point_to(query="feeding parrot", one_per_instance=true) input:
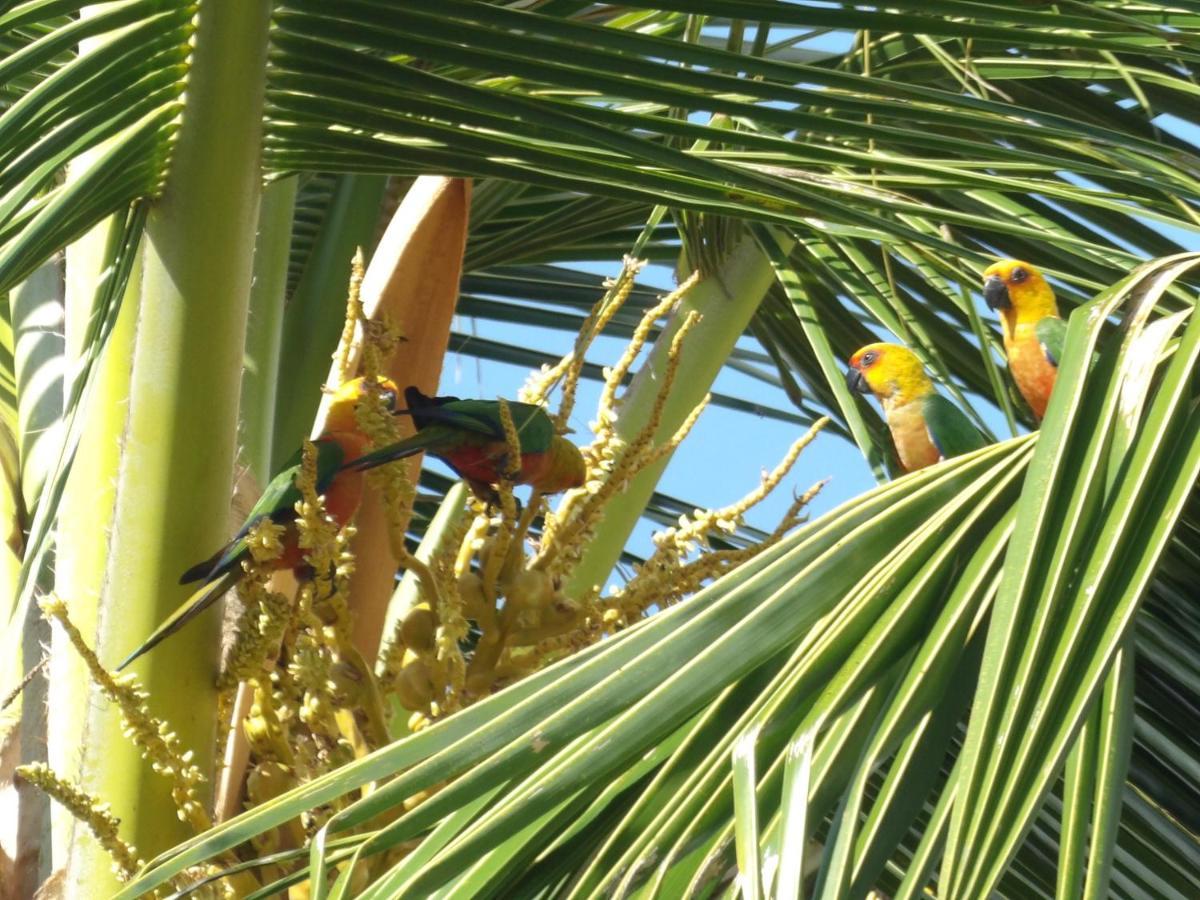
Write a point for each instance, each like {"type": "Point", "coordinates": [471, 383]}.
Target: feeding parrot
{"type": "Point", "coordinates": [1033, 332]}
{"type": "Point", "coordinates": [469, 437]}
{"type": "Point", "coordinates": [925, 426]}
{"type": "Point", "coordinates": [340, 443]}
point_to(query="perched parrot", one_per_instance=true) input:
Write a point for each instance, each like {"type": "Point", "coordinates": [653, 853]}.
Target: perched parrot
{"type": "Point", "coordinates": [1033, 332]}
{"type": "Point", "coordinates": [469, 437]}
{"type": "Point", "coordinates": [926, 427]}
{"type": "Point", "coordinates": [340, 443]}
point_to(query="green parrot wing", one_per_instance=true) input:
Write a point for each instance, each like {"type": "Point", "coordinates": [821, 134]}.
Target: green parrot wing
{"type": "Point", "coordinates": [1051, 334]}
{"type": "Point", "coordinates": [277, 503]}
{"type": "Point", "coordinates": [534, 427]}
{"type": "Point", "coordinates": [949, 428]}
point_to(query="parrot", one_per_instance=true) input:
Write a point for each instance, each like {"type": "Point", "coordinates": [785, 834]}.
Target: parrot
{"type": "Point", "coordinates": [926, 427]}
{"type": "Point", "coordinates": [469, 437]}
{"type": "Point", "coordinates": [341, 442]}
{"type": "Point", "coordinates": [1034, 333]}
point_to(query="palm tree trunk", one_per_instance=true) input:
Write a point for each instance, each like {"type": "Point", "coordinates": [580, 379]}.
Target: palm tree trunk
{"type": "Point", "coordinates": [177, 429]}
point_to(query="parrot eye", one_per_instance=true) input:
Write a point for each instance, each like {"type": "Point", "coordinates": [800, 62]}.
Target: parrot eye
{"type": "Point", "coordinates": [1018, 275]}
{"type": "Point", "coordinates": [389, 399]}
{"type": "Point", "coordinates": [869, 358]}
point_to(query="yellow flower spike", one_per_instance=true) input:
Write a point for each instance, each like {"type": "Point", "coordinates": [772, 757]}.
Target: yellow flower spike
{"type": "Point", "coordinates": [482, 669]}
{"type": "Point", "coordinates": [354, 317]}
{"type": "Point", "coordinates": [377, 421]}
{"type": "Point", "coordinates": [452, 630]}
{"type": "Point", "coordinates": [610, 462]}
{"type": "Point", "coordinates": [317, 531]}
{"type": "Point", "coordinates": [311, 684]}
{"type": "Point", "coordinates": [641, 334]}
{"type": "Point", "coordinates": [684, 429]}
{"type": "Point", "coordinates": [539, 384]}
{"type": "Point", "coordinates": [581, 510]}
{"type": "Point", "coordinates": [380, 340]}
{"type": "Point", "coordinates": [265, 613]}
{"type": "Point", "coordinates": [260, 627]}
{"type": "Point", "coordinates": [265, 542]}
{"type": "Point", "coordinates": [265, 733]}
{"type": "Point", "coordinates": [570, 368]}
{"type": "Point", "coordinates": [664, 578]}
{"type": "Point", "coordinates": [500, 541]}
{"type": "Point", "coordinates": [471, 543]}
{"type": "Point", "coordinates": [512, 450]}
{"type": "Point", "coordinates": [159, 745]}
{"type": "Point", "coordinates": [374, 418]}
{"type": "Point", "coordinates": [89, 810]}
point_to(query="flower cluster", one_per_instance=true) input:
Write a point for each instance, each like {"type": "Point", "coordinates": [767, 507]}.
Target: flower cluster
{"type": "Point", "coordinates": [493, 594]}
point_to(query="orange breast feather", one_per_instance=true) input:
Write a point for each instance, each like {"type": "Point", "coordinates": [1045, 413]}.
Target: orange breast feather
{"type": "Point", "coordinates": [1031, 370]}
{"type": "Point", "coordinates": [911, 436]}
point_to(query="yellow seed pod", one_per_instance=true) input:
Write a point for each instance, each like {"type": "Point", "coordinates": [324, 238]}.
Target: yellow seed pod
{"type": "Point", "coordinates": [267, 780]}
{"type": "Point", "coordinates": [525, 618]}
{"type": "Point", "coordinates": [470, 589]}
{"type": "Point", "coordinates": [513, 562]}
{"type": "Point", "coordinates": [480, 682]}
{"type": "Point", "coordinates": [561, 609]}
{"type": "Point", "coordinates": [530, 590]}
{"type": "Point", "coordinates": [414, 684]}
{"type": "Point", "coordinates": [419, 628]}
{"type": "Point", "coordinates": [346, 683]}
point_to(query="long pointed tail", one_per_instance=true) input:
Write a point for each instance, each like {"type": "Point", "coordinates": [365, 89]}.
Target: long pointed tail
{"type": "Point", "coordinates": [430, 438]}
{"type": "Point", "coordinates": [199, 601]}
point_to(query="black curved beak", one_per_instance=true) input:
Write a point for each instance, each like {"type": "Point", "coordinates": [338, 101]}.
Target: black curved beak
{"type": "Point", "coordinates": [856, 382]}
{"type": "Point", "coordinates": [995, 293]}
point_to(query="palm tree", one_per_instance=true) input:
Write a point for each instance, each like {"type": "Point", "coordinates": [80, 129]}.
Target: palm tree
{"type": "Point", "coordinates": [974, 679]}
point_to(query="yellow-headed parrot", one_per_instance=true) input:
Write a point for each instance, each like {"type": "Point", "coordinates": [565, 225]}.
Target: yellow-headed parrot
{"type": "Point", "coordinates": [1033, 332]}
{"type": "Point", "coordinates": [342, 487]}
{"type": "Point", "coordinates": [468, 435]}
{"type": "Point", "coordinates": [925, 426]}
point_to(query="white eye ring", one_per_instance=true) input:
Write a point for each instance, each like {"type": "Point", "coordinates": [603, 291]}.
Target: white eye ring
{"type": "Point", "coordinates": [1018, 275]}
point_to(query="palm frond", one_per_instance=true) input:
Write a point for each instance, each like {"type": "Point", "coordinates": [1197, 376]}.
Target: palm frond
{"type": "Point", "coordinates": [115, 105]}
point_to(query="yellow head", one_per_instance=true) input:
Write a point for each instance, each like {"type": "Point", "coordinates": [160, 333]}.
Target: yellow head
{"type": "Point", "coordinates": [566, 467]}
{"type": "Point", "coordinates": [342, 415]}
{"type": "Point", "coordinates": [889, 371]}
{"type": "Point", "coordinates": [1018, 292]}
